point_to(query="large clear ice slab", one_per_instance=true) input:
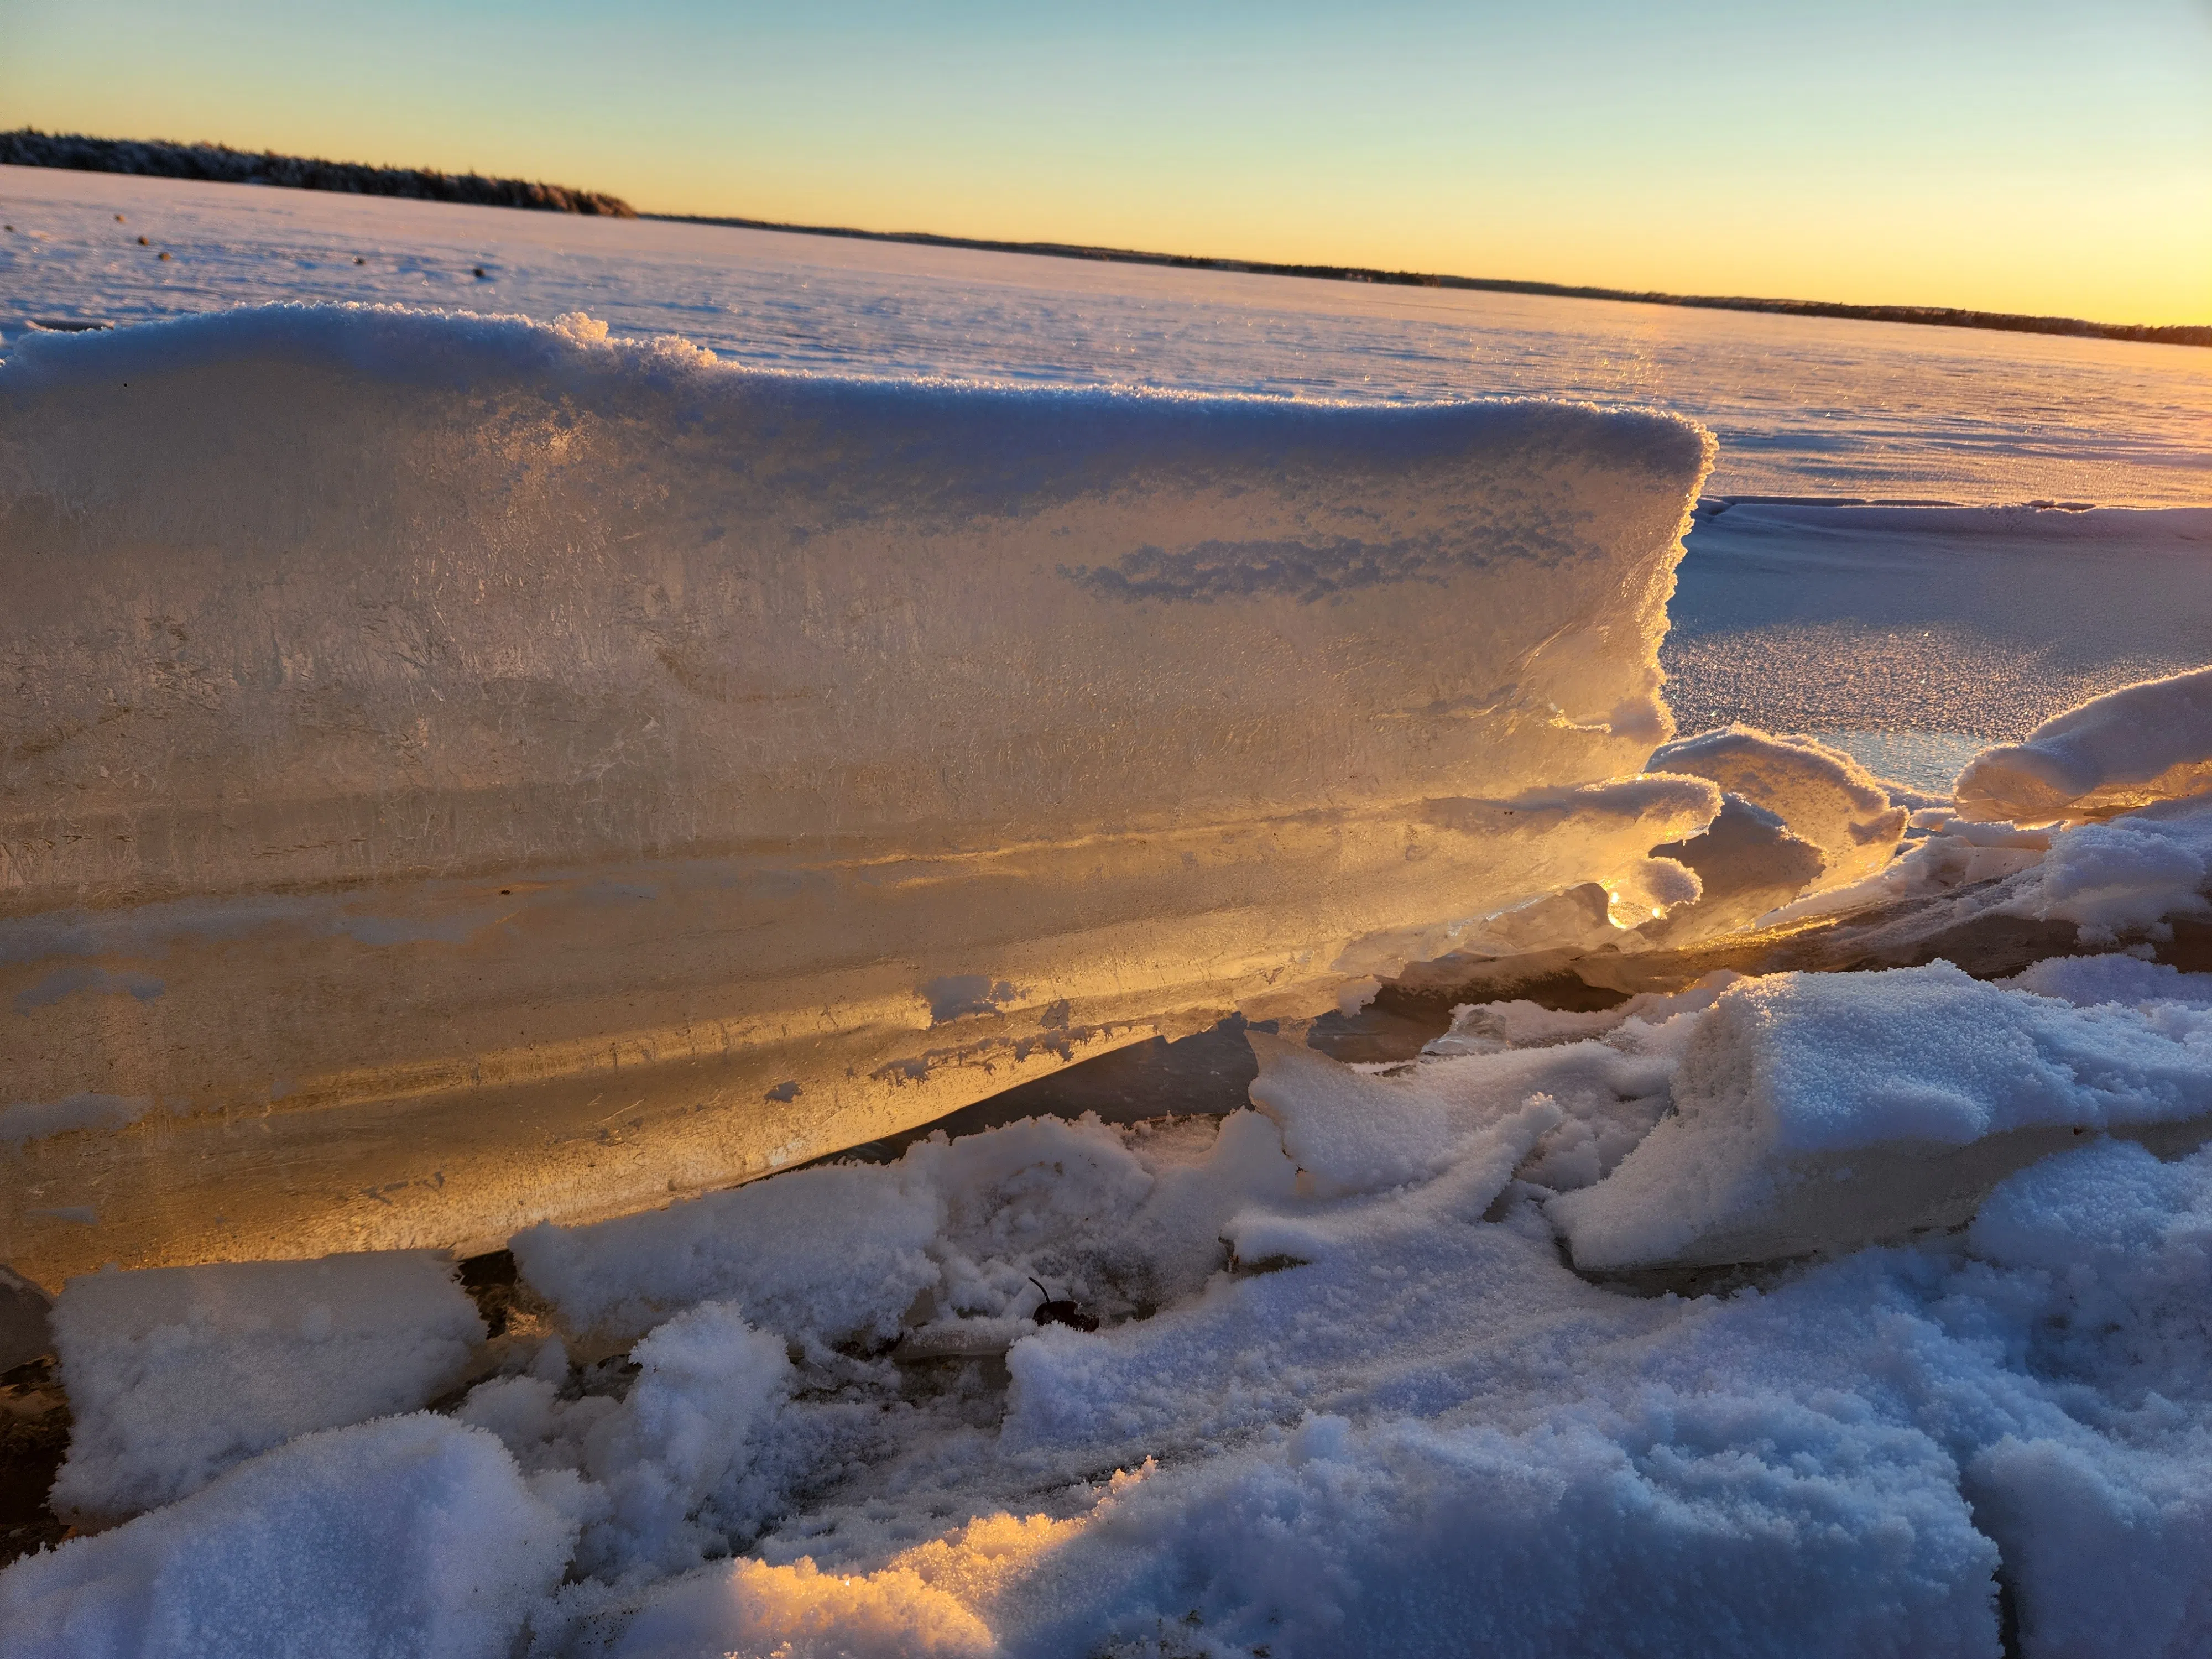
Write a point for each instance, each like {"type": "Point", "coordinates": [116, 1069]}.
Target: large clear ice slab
{"type": "Point", "coordinates": [462, 772]}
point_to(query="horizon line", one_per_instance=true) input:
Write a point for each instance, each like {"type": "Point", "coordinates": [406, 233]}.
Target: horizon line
{"type": "Point", "coordinates": [2181, 334]}
{"type": "Point", "coordinates": [27, 146]}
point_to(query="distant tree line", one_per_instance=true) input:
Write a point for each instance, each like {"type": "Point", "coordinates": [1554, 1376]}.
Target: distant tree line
{"type": "Point", "coordinates": [2189, 334]}
{"type": "Point", "coordinates": [27, 147]}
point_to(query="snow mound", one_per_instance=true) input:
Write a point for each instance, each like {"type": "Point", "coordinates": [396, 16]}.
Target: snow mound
{"type": "Point", "coordinates": [2131, 874]}
{"type": "Point", "coordinates": [1815, 1112]}
{"type": "Point", "coordinates": [413, 1538]}
{"type": "Point", "coordinates": [1370, 1410]}
{"type": "Point", "coordinates": [175, 1374]}
{"type": "Point", "coordinates": [2143, 743]}
{"type": "Point", "coordinates": [954, 1231]}
{"type": "Point", "coordinates": [454, 724]}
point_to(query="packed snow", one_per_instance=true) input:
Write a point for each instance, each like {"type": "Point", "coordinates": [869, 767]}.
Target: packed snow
{"type": "Point", "coordinates": [409, 1535]}
{"type": "Point", "coordinates": [178, 1373]}
{"type": "Point", "coordinates": [1764, 1310]}
{"type": "Point", "coordinates": [1814, 1111]}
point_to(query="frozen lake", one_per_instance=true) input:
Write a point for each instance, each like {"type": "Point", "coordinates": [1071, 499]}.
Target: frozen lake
{"type": "Point", "coordinates": [479, 785]}
{"type": "Point", "coordinates": [1802, 406]}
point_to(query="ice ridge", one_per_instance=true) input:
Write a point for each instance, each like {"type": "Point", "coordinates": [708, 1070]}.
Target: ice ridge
{"type": "Point", "coordinates": [580, 758]}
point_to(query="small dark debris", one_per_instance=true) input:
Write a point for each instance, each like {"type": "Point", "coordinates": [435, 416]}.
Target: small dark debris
{"type": "Point", "coordinates": [480, 272]}
{"type": "Point", "coordinates": [1240, 1268]}
{"type": "Point", "coordinates": [32, 1442]}
{"type": "Point", "coordinates": [496, 1288]}
{"type": "Point", "coordinates": [1722, 1279]}
{"type": "Point", "coordinates": [359, 261]}
{"type": "Point", "coordinates": [119, 218]}
{"type": "Point", "coordinates": [1061, 1312]}
{"type": "Point", "coordinates": [142, 241]}
{"type": "Point", "coordinates": [608, 1378]}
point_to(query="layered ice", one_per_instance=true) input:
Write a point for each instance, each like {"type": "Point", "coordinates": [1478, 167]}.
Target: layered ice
{"type": "Point", "coordinates": [530, 773]}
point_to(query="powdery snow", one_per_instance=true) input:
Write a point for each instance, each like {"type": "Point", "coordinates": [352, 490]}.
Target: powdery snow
{"type": "Point", "coordinates": [412, 1536]}
{"type": "Point", "coordinates": [175, 1374]}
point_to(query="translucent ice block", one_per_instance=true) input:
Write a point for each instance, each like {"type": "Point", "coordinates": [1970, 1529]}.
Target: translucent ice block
{"type": "Point", "coordinates": [462, 772]}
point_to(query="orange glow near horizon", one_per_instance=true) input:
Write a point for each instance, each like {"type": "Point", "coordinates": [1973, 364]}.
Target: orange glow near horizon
{"type": "Point", "coordinates": [2019, 157]}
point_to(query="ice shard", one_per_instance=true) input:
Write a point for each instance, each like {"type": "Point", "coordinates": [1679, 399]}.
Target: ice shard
{"type": "Point", "coordinates": [462, 772]}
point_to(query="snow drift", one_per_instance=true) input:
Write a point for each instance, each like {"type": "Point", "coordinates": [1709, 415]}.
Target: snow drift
{"type": "Point", "coordinates": [523, 774]}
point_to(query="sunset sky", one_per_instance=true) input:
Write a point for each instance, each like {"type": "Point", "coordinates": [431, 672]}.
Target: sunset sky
{"type": "Point", "coordinates": [2012, 155]}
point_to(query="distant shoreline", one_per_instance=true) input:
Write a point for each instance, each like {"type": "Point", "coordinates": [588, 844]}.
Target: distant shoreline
{"type": "Point", "coordinates": [2185, 334]}
{"type": "Point", "coordinates": [220, 164]}
{"type": "Point", "coordinates": [159, 158]}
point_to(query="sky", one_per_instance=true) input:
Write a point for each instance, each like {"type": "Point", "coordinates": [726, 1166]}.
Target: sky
{"type": "Point", "coordinates": [2005, 155]}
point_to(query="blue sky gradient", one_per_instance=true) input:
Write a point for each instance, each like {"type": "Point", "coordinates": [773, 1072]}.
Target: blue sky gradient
{"type": "Point", "coordinates": [2026, 155]}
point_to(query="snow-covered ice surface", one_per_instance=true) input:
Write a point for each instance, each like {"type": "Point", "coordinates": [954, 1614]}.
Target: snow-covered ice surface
{"type": "Point", "coordinates": [1914, 636]}
{"type": "Point", "coordinates": [1817, 1314]}
{"type": "Point", "coordinates": [1803, 407]}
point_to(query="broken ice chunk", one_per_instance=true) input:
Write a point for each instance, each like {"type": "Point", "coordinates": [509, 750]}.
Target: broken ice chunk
{"type": "Point", "coordinates": [1822, 794]}
{"type": "Point", "coordinates": [2126, 874]}
{"type": "Point", "coordinates": [833, 1251]}
{"type": "Point", "coordinates": [415, 1536]}
{"type": "Point", "coordinates": [2148, 742]}
{"type": "Point", "coordinates": [1748, 862]}
{"type": "Point", "coordinates": [1816, 1112]}
{"type": "Point", "coordinates": [177, 1373]}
